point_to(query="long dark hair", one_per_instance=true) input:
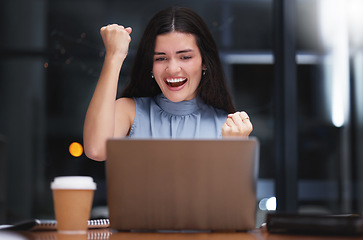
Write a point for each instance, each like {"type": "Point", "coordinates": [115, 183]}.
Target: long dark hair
{"type": "Point", "coordinates": [212, 88]}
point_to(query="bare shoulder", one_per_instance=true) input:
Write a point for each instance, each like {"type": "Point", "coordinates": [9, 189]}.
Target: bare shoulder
{"type": "Point", "coordinates": [126, 106]}
{"type": "Point", "coordinates": [124, 115]}
{"type": "Point", "coordinates": [126, 102]}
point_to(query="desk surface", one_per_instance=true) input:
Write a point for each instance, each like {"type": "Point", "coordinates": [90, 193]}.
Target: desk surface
{"type": "Point", "coordinates": [107, 234]}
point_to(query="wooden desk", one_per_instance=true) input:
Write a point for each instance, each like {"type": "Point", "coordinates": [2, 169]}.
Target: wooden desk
{"type": "Point", "coordinates": [107, 234]}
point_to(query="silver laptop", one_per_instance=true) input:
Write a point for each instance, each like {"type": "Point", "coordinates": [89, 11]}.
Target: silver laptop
{"type": "Point", "coordinates": [182, 184]}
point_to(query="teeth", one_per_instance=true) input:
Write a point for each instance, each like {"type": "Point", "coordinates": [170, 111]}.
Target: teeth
{"type": "Point", "coordinates": [175, 80]}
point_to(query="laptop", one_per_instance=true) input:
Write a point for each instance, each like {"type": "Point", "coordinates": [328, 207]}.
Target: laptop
{"type": "Point", "coordinates": [189, 184]}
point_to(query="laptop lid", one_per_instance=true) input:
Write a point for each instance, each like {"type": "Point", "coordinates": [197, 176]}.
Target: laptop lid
{"type": "Point", "coordinates": [182, 184]}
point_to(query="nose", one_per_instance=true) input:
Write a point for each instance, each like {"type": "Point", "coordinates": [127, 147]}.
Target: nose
{"type": "Point", "coordinates": [173, 67]}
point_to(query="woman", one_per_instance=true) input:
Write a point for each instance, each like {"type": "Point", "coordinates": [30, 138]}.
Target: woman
{"type": "Point", "coordinates": [177, 87]}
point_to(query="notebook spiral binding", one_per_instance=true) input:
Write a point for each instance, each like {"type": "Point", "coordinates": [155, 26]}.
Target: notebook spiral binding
{"type": "Point", "coordinates": [99, 223]}
{"type": "Point", "coordinates": [52, 224]}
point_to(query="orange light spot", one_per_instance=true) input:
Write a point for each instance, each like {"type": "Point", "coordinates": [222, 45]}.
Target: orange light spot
{"type": "Point", "coordinates": [75, 149]}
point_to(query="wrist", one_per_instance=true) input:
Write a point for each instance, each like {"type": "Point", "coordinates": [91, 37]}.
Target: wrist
{"type": "Point", "coordinates": [115, 57]}
{"type": "Point", "coordinates": [115, 60]}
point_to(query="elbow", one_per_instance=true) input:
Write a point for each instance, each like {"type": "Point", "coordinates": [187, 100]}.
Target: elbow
{"type": "Point", "coordinates": [95, 154]}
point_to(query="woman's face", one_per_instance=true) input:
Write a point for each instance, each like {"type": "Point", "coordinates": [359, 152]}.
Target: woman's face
{"type": "Point", "coordinates": [177, 65]}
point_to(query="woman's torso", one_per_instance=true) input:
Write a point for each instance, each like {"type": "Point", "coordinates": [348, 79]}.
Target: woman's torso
{"type": "Point", "coordinates": [157, 117]}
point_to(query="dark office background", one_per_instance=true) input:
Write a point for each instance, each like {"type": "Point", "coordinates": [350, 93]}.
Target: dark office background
{"type": "Point", "coordinates": [52, 54]}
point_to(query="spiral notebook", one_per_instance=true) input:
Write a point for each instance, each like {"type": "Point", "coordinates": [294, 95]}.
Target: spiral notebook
{"type": "Point", "coordinates": [37, 224]}
{"type": "Point", "coordinates": [182, 184]}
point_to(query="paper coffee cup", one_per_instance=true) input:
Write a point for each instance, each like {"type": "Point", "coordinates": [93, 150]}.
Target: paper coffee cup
{"type": "Point", "coordinates": [73, 197]}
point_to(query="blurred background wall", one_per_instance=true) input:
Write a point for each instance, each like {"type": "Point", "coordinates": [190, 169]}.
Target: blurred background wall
{"type": "Point", "coordinates": [52, 54]}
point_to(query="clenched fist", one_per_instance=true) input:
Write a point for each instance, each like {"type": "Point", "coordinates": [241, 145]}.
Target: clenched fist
{"type": "Point", "coordinates": [237, 125]}
{"type": "Point", "coordinates": [116, 39]}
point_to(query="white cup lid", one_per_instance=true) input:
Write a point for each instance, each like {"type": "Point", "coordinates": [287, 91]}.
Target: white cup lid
{"type": "Point", "coordinates": [73, 182]}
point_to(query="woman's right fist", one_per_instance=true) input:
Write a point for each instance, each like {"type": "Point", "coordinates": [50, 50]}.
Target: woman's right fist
{"type": "Point", "coordinates": [116, 39]}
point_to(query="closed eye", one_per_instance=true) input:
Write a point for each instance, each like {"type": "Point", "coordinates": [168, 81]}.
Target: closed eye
{"type": "Point", "coordinates": [160, 59]}
{"type": "Point", "coordinates": [159, 56]}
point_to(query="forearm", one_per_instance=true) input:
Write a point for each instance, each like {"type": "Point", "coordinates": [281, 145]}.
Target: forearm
{"type": "Point", "coordinates": [100, 117]}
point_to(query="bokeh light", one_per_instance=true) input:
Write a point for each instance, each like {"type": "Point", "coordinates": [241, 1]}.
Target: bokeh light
{"type": "Point", "coordinates": [75, 149]}
{"type": "Point", "coordinates": [268, 204]}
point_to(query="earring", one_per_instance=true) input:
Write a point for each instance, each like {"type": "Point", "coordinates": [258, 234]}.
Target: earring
{"type": "Point", "coordinates": [204, 70]}
{"type": "Point", "coordinates": [152, 74]}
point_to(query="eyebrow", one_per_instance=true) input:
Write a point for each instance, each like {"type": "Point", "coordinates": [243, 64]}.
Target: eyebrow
{"type": "Point", "coordinates": [178, 52]}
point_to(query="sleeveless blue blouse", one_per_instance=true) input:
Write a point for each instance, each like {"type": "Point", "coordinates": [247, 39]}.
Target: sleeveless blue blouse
{"type": "Point", "coordinates": [158, 117]}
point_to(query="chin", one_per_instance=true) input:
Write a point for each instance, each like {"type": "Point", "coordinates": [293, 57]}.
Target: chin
{"type": "Point", "coordinates": [176, 97]}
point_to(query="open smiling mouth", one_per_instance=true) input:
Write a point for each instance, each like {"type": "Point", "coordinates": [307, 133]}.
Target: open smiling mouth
{"type": "Point", "coordinates": [176, 82]}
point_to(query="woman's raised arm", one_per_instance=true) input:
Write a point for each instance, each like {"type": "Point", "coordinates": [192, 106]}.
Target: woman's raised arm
{"type": "Point", "coordinates": [105, 116]}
